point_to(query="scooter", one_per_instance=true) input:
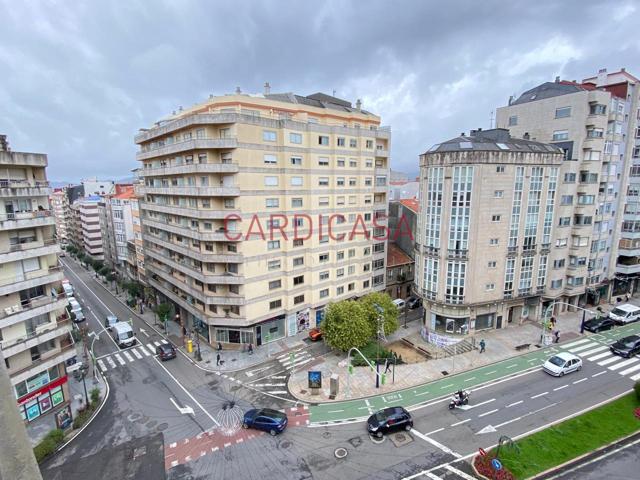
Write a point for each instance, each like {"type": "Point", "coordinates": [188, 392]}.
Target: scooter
{"type": "Point", "coordinates": [457, 401]}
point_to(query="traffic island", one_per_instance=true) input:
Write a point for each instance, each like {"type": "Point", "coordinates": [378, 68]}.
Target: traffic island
{"type": "Point", "coordinates": [555, 446]}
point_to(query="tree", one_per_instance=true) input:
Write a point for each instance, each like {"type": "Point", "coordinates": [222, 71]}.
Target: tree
{"type": "Point", "coordinates": [345, 325]}
{"type": "Point", "coordinates": [163, 311]}
{"type": "Point", "coordinates": [104, 271]}
{"type": "Point", "coordinates": [134, 289]}
{"type": "Point", "coordinates": [97, 265]}
{"type": "Point", "coordinates": [389, 311]}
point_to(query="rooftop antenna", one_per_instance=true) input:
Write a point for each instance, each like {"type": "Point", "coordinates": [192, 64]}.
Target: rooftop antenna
{"type": "Point", "coordinates": [491, 119]}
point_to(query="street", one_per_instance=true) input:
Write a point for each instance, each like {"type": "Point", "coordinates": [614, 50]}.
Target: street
{"type": "Point", "coordinates": [200, 412]}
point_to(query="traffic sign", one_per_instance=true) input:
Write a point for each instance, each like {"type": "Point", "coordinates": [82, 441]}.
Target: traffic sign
{"type": "Point", "coordinates": [496, 464]}
{"type": "Point", "coordinates": [482, 452]}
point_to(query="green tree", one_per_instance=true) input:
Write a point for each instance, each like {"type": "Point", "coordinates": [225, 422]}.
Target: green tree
{"type": "Point", "coordinates": [104, 271]}
{"type": "Point", "coordinates": [97, 265]}
{"type": "Point", "coordinates": [134, 289]}
{"type": "Point", "coordinates": [345, 325]}
{"type": "Point", "coordinates": [389, 311]}
{"type": "Point", "coordinates": [163, 311]}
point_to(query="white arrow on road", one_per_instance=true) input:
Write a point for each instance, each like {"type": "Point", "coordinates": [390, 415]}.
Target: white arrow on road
{"type": "Point", "coordinates": [142, 330]}
{"type": "Point", "coordinates": [487, 429]}
{"type": "Point", "coordinates": [182, 410]}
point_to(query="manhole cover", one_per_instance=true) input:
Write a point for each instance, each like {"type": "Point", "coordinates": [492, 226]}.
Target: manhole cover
{"type": "Point", "coordinates": [340, 452]}
{"type": "Point", "coordinates": [355, 442]}
{"type": "Point", "coordinates": [162, 427]}
{"type": "Point", "coordinates": [134, 417]}
{"type": "Point", "coordinates": [326, 434]}
{"type": "Point", "coordinates": [400, 439]}
{"type": "Point", "coordinates": [286, 444]}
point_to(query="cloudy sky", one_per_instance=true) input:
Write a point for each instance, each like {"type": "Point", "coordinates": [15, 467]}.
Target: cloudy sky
{"type": "Point", "coordinates": [77, 79]}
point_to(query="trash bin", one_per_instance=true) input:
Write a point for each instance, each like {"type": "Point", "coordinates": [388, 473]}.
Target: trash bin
{"type": "Point", "coordinates": [189, 346]}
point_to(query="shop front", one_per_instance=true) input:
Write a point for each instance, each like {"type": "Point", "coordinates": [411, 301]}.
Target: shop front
{"type": "Point", "coordinates": [270, 330]}
{"type": "Point", "coordinates": [40, 394]}
{"type": "Point", "coordinates": [448, 324]}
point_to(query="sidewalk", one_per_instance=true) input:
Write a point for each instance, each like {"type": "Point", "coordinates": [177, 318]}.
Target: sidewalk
{"type": "Point", "coordinates": [500, 345]}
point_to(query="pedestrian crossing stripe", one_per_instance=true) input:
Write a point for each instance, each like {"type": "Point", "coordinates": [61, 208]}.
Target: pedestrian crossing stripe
{"type": "Point", "coordinates": [623, 364]}
{"type": "Point", "coordinates": [128, 355]}
{"type": "Point", "coordinates": [157, 344]}
{"type": "Point", "coordinates": [145, 351]}
{"type": "Point", "coordinates": [573, 344]}
{"type": "Point", "coordinates": [629, 370]}
{"type": "Point", "coordinates": [120, 360]}
{"type": "Point", "coordinates": [608, 361]}
{"type": "Point", "coordinates": [136, 353]}
{"type": "Point", "coordinates": [599, 356]}
{"type": "Point", "coordinates": [635, 377]}
{"type": "Point", "coordinates": [112, 364]}
{"type": "Point", "coordinates": [583, 347]}
{"type": "Point", "coordinates": [102, 366]}
{"type": "Point", "coordinates": [150, 347]}
{"type": "Point", "coordinates": [591, 352]}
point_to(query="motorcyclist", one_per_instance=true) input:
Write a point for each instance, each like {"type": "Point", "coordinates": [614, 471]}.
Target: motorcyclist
{"type": "Point", "coordinates": [460, 396]}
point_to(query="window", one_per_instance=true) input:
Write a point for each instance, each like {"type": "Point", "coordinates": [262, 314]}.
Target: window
{"type": "Point", "coordinates": [592, 155]}
{"type": "Point", "coordinates": [298, 242]}
{"type": "Point", "coordinates": [493, 241]}
{"type": "Point", "coordinates": [351, 287]}
{"type": "Point", "coordinates": [323, 140]}
{"type": "Point", "coordinates": [351, 270]}
{"type": "Point", "coordinates": [569, 178]}
{"type": "Point", "coordinates": [340, 255]}
{"type": "Point", "coordinates": [323, 161]}
{"type": "Point", "coordinates": [323, 201]}
{"type": "Point", "coordinates": [566, 200]}
{"type": "Point", "coordinates": [352, 182]}
{"type": "Point", "coordinates": [272, 203]}
{"type": "Point", "coordinates": [555, 284]}
{"type": "Point", "coordinates": [495, 218]}
{"type": "Point", "coordinates": [298, 261]}
{"type": "Point", "coordinates": [595, 133]}
{"type": "Point", "coordinates": [340, 272]}
{"type": "Point", "coordinates": [577, 241]}
{"type": "Point", "coordinates": [369, 144]}
{"type": "Point", "coordinates": [323, 257]}
{"type": "Point", "coordinates": [491, 264]}
{"type": "Point", "coordinates": [270, 181]}
{"type": "Point", "coordinates": [563, 112]}
{"type": "Point", "coordinates": [341, 141]}
{"type": "Point", "coordinates": [597, 109]}
{"type": "Point", "coordinates": [499, 168]}
{"type": "Point", "coordinates": [275, 284]}
{"type": "Point", "coordinates": [352, 252]}
{"type": "Point", "coordinates": [340, 201]}
{"type": "Point", "coordinates": [273, 244]}
{"type": "Point", "coordinates": [295, 138]}
{"type": "Point", "coordinates": [270, 159]}
{"type": "Point", "coordinates": [368, 181]}
{"type": "Point", "coordinates": [339, 290]}
{"type": "Point", "coordinates": [324, 293]}
{"type": "Point", "coordinates": [353, 143]}
{"type": "Point", "coordinates": [324, 239]}
{"type": "Point", "coordinates": [324, 275]}
{"type": "Point", "coordinates": [564, 221]}
{"type": "Point", "coordinates": [298, 280]}
{"type": "Point", "coordinates": [490, 287]}
{"type": "Point", "coordinates": [561, 135]}
{"type": "Point", "coordinates": [298, 299]}
{"type": "Point", "coordinates": [561, 242]}
{"type": "Point", "coordinates": [340, 162]}
{"type": "Point", "coordinates": [296, 181]}
{"type": "Point", "coordinates": [558, 263]}
{"type": "Point", "coordinates": [323, 181]}
{"type": "Point", "coordinates": [229, 203]}
{"type": "Point", "coordinates": [340, 181]}
{"type": "Point", "coordinates": [353, 163]}
{"type": "Point", "coordinates": [296, 161]}
{"type": "Point", "coordinates": [498, 193]}
{"type": "Point", "coordinates": [586, 199]}
{"type": "Point", "coordinates": [296, 202]}
{"type": "Point", "coordinates": [275, 304]}
{"type": "Point", "coordinates": [513, 120]}
{"type": "Point", "coordinates": [268, 136]}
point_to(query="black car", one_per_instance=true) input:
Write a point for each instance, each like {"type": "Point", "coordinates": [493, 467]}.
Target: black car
{"type": "Point", "coordinates": [265, 419]}
{"type": "Point", "coordinates": [389, 420]}
{"type": "Point", "coordinates": [414, 302]}
{"type": "Point", "coordinates": [601, 324]}
{"type": "Point", "coordinates": [166, 351]}
{"type": "Point", "coordinates": [627, 346]}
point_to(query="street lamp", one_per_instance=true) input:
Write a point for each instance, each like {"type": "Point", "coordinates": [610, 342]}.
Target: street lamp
{"type": "Point", "coordinates": [545, 340]}
{"type": "Point", "coordinates": [83, 371]}
{"type": "Point", "coordinates": [93, 355]}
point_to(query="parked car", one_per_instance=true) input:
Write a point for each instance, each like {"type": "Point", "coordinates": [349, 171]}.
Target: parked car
{"type": "Point", "coordinates": [265, 419]}
{"type": "Point", "coordinates": [315, 334]}
{"type": "Point", "coordinates": [76, 309]}
{"type": "Point", "coordinates": [562, 363]}
{"type": "Point", "coordinates": [110, 321]}
{"type": "Point", "coordinates": [166, 351]}
{"type": "Point", "coordinates": [389, 420]}
{"type": "Point", "coordinates": [398, 302]}
{"type": "Point", "coordinates": [627, 346]}
{"type": "Point", "coordinates": [625, 313]}
{"type": "Point", "coordinates": [601, 324]}
{"type": "Point", "coordinates": [68, 289]}
{"type": "Point", "coordinates": [414, 302]}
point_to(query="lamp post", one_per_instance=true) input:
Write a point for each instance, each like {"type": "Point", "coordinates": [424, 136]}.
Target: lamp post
{"type": "Point", "coordinates": [546, 339]}
{"type": "Point", "coordinates": [83, 372]}
{"type": "Point", "coordinates": [93, 355]}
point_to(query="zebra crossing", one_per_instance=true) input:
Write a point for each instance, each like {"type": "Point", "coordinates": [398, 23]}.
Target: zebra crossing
{"type": "Point", "coordinates": [272, 378]}
{"type": "Point", "coordinates": [124, 357]}
{"type": "Point", "coordinates": [600, 354]}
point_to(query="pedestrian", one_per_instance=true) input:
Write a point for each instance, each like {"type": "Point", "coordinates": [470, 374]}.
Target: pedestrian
{"type": "Point", "coordinates": [219, 347]}
{"type": "Point", "coordinates": [553, 322]}
{"type": "Point", "coordinates": [482, 345]}
{"type": "Point", "coordinates": [387, 366]}
{"type": "Point", "coordinates": [557, 335]}
{"type": "Point", "coordinates": [217, 359]}
{"type": "Point", "coordinates": [627, 297]}
{"type": "Point", "coordinates": [184, 331]}
{"type": "Point", "coordinates": [250, 349]}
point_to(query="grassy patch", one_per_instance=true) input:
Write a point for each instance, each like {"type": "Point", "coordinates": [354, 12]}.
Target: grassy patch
{"type": "Point", "coordinates": [572, 438]}
{"type": "Point", "coordinates": [48, 444]}
{"type": "Point", "coordinates": [370, 350]}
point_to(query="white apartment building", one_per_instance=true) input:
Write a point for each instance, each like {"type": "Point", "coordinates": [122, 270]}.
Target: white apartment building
{"type": "Point", "coordinates": [61, 213]}
{"type": "Point", "coordinates": [91, 235]}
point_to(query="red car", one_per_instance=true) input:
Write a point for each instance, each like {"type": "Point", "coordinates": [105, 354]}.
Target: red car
{"type": "Point", "coordinates": [315, 334]}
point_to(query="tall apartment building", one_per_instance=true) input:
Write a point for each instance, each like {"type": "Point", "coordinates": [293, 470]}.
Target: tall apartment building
{"type": "Point", "coordinates": [214, 175]}
{"type": "Point", "coordinates": [74, 229]}
{"type": "Point", "coordinates": [95, 187]}
{"type": "Point", "coordinates": [137, 270]}
{"type": "Point", "coordinates": [593, 122]}
{"type": "Point", "coordinates": [34, 327]}
{"type": "Point", "coordinates": [486, 248]}
{"type": "Point", "coordinates": [61, 213]}
{"type": "Point", "coordinates": [116, 226]}
{"type": "Point", "coordinates": [89, 218]}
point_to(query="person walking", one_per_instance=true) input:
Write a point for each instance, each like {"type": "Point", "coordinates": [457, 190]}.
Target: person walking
{"type": "Point", "coordinates": [218, 359]}
{"type": "Point", "coordinates": [557, 336]}
{"type": "Point", "coordinates": [482, 345]}
{"type": "Point", "coordinates": [250, 349]}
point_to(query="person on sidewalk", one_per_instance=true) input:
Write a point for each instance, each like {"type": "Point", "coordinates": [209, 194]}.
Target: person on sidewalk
{"type": "Point", "coordinates": [219, 346]}
{"type": "Point", "coordinates": [557, 336]}
{"type": "Point", "coordinates": [250, 349]}
{"type": "Point", "coordinates": [218, 359]}
{"type": "Point", "coordinates": [388, 365]}
{"type": "Point", "coordinates": [482, 345]}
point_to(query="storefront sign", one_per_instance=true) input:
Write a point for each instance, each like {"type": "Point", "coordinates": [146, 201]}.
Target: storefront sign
{"type": "Point", "coordinates": [38, 381]}
{"type": "Point", "coordinates": [315, 379]}
{"type": "Point", "coordinates": [64, 418]}
{"type": "Point", "coordinates": [40, 391]}
{"type": "Point", "coordinates": [440, 341]}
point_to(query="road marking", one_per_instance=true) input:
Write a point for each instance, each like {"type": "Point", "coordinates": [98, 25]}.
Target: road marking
{"type": "Point", "coordinates": [227, 445]}
{"type": "Point", "coordinates": [599, 373]}
{"type": "Point", "coordinates": [599, 356]}
{"type": "Point", "coordinates": [366, 400]}
{"type": "Point", "coordinates": [586, 346]}
{"type": "Point", "coordinates": [515, 403]}
{"type": "Point", "coordinates": [615, 358]}
{"type": "Point", "coordinates": [435, 431]}
{"type": "Point", "coordinates": [435, 444]}
{"type": "Point", "coordinates": [145, 351]}
{"type": "Point", "coordinates": [150, 347]}
{"type": "Point", "coordinates": [539, 395]}
{"type": "Point", "coordinates": [240, 440]}
{"type": "Point", "coordinates": [578, 342]}
{"type": "Point", "coordinates": [580, 381]}
{"type": "Point", "coordinates": [288, 353]}
{"type": "Point", "coordinates": [251, 373]}
{"type": "Point", "coordinates": [635, 377]}
{"type": "Point", "coordinates": [137, 354]}
{"type": "Point", "coordinates": [203, 453]}
{"type": "Point", "coordinates": [446, 386]}
{"type": "Point", "coordinates": [508, 422]}
{"type": "Point", "coordinates": [623, 364]}
{"type": "Point", "coordinates": [186, 410]}
{"type": "Point", "coordinates": [460, 473]}
{"type": "Point", "coordinates": [129, 357]}
{"type": "Point", "coordinates": [461, 422]}
{"type": "Point", "coordinates": [268, 384]}
{"type": "Point", "coordinates": [120, 360]}
{"type": "Point", "coordinates": [421, 393]}
{"type": "Point", "coordinates": [488, 413]}
{"type": "Point", "coordinates": [215, 449]}
{"type": "Point", "coordinates": [335, 411]}
{"type": "Point", "coordinates": [277, 392]}
{"type": "Point", "coordinates": [187, 458]}
{"type": "Point", "coordinates": [560, 388]}
{"type": "Point", "coordinates": [433, 476]}
{"type": "Point", "coordinates": [157, 344]}
{"type": "Point", "coordinates": [629, 370]}
{"type": "Point", "coordinates": [112, 364]}
{"type": "Point", "coordinates": [469, 379]}
{"type": "Point", "coordinates": [102, 365]}
{"type": "Point", "coordinates": [592, 351]}
{"type": "Point", "coordinates": [512, 366]}
{"type": "Point", "coordinates": [470, 407]}
{"type": "Point", "coordinates": [492, 371]}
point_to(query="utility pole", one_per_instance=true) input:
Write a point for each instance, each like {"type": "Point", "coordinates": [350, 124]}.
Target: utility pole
{"type": "Point", "coordinates": [17, 461]}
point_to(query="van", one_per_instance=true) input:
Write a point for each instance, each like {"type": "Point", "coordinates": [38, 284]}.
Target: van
{"type": "Point", "coordinates": [626, 313]}
{"type": "Point", "coordinates": [68, 289]}
{"type": "Point", "coordinates": [76, 309]}
{"type": "Point", "coordinates": [398, 302]}
{"type": "Point", "coordinates": [123, 334]}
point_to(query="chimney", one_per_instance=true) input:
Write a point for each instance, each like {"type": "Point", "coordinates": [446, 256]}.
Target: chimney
{"type": "Point", "coordinates": [238, 91]}
{"type": "Point", "coordinates": [558, 79]}
{"type": "Point", "coordinates": [510, 99]}
{"type": "Point", "coordinates": [267, 88]}
{"type": "Point", "coordinates": [479, 129]}
{"type": "Point", "coordinates": [602, 77]}
{"type": "Point", "coordinates": [462, 134]}
{"type": "Point", "coordinates": [623, 69]}
{"type": "Point", "coordinates": [358, 104]}
{"type": "Point", "coordinates": [526, 135]}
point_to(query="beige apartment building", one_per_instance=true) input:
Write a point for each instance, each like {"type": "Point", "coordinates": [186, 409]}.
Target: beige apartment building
{"type": "Point", "coordinates": [61, 212]}
{"type": "Point", "coordinates": [34, 326]}
{"type": "Point", "coordinates": [248, 207]}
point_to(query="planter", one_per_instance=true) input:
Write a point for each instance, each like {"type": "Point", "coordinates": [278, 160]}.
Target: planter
{"type": "Point", "coordinates": [482, 465]}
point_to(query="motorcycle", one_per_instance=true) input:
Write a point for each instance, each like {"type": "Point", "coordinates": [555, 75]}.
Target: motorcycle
{"type": "Point", "coordinates": [456, 401]}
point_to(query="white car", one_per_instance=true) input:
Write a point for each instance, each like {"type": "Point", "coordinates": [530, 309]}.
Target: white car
{"type": "Point", "coordinates": [561, 364]}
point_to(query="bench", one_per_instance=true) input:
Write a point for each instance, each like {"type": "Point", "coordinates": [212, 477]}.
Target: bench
{"type": "Point", "coordinates": [524, 346]}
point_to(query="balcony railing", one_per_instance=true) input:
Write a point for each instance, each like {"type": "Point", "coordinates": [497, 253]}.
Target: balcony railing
{"type": "Point", "coordinates": [65, 352]}
{"type": "Point", "coordinates": [191, 144]}
{"type": "Point", "coordinates": [60, 326]}
{"type": "Point", "coordinates": [457, 253]}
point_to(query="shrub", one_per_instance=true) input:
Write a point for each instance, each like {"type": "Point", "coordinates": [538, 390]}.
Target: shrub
{"type": "Point", "coordinates": [49, 444]}
{"type": "Point", "coordinates": [636, 387]}
{"type": "Point", "coordinates": [370, 350]}
{"type": "Point", "coordinates": [95, 397]}
{"type": "Point", "coordinates": [484, 467]}
{"type": "Point", "coordinates": [82, 417]}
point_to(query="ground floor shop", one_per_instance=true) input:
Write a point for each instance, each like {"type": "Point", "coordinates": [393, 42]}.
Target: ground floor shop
{"type": "Point", "coordinates": [43, 393]}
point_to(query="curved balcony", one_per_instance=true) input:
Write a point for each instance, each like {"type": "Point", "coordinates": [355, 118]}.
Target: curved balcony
{"type": "Point", "coordinates": [196, 191]}
{"type": "Point", "coordinates": [190, 168]}
{"type": "Point", "coordinates": [199, 213]}
{"type": "Point", "coordinates": [195, 254]}
{"type": "Point", "coordinates": [188, 145]}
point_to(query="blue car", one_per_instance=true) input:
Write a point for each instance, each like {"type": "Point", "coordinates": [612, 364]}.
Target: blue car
{"type": "Point", "coordinates": [265, 419]}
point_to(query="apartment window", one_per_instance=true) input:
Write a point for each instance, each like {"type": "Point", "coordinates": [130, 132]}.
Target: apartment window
{"type": "Point", "coordinates": [229, 203]}
{"type": "Point", "coordinates": [299, 222]}
{"type": "Point", "coordinates": [340, 201]}
{"type": "Point", "coordinates": [365, 284]}
{"type": "Point", "coordinates": [296, 161]}
{"type": "Point", "coordinates": [275, 304]}
{"type": "Point", "coordinates": [324, 275]}
{"type": "Point", "coordinates": [298, 261]}
{"type": "Point", "coordinates": [586, 199]}
{"type": "Point", "coordinates": [323, 140]}
{"type": "Point", "coordinates": [493, 241]}
{"type": "Point", "coordinates": [272, 203]}
{"type": "Point", "coordinates": [369, 163]}
{"type": "Point", "coordinates": [351, 269]}
{"type": "Point", "coordinates": [513, 120]}
{"type": "Point", "coordinates": [595, 133]}
{"type": "Point", "coordinates": [295, 138]}
{"type": "Point", "coordinates": [298, 299]}
{"type": "Point", "coordinates": [298, 242]}
{"type": "Point", "coordinates": [324, 293]}
{"type": "Point", "coordinates": [577, 241]}
{"type": "Point", "coordinates": [353, 143]}
{"type": "Point", "coordinates": [340, 255]}
{"type": "Point", "coordinates": [340, 272]}
{"type": "Point", "coordinates": [296, 202]}
{"type": "Point", "coordinates": [490, 287]}
{"type": "Point", "coordinates": [491, 264]}
{"type": "Point", "coordinates": [569, 178]}
{"type": "Point", "coordinates": [597, 109]}
{"type": "Point", "coordinates": [564, 221]}
{"type": "Point", "coordinates": [592, 155]}
{"type": "Point", "coordinates": [275, 284]}
{"type": "Point", "coordinates": [341, 141]}
{"type": "Point", "coordinates": [323, 257]}
{"type": "Point", "coordinates": [339, 290]}
{"type": "Point", "coordinates": [268, 136]}
{"type": "Point", "coordinates": [353, 182]}
{"type": "Point", "coordinates": [368, 181]}
{"type": "Point", "coordinates": [563, 112]}
{"type": "Point", "coordinates": [340, 162]}
{"type": "Point", "coordinates": [351, 287]}
{"type": "Point", "coordinates": [555, 284]}
{"type": "Point", "coordinates": [498, 194]}
{"type": "Point", "coordinates": [324, 239]}
{"type": "Point", "coordinates": [559, 263]}
{"type": "Point", "coordinates": [499, 168]}
{"type": "Point", "coordinates": [323, 161]}
{"type": "Point", "coordinates": [323, 201]}
{"type": "Point", "coordinates": [369, 144]}
{"type": "Point", "coordinates": [559, 135]}
{"type": "Point", "coordinates": [296, 181]}
{"type": "Point", "coordinates": [298, 280]}
{"type": "Point", "coordinates": [270, 159]}
{"type": "Point", "coordinates": [561, 242]}
{"type": "Point", "coordinates": [353, 163]}
{"type": "Point", "coordinates": [273, 244]}
{"type": "Point", "coordinates": [566, 200]}
{"type": "Point", "coordinates": [340, 181]}
{"type": "Point", "coordinates": [495, 218]}
{"type": "Point", "coordinates": [270, 181]}
{"type": "Point", "coordinates": [367, 200]}
{"type": "Point", "coordinates": [323, 181]}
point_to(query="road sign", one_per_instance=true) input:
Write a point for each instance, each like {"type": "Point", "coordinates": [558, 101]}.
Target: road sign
{"type": "Point", "coordinates": [496, 464]}
{"type": "Point", "coordinates": [482, 452]}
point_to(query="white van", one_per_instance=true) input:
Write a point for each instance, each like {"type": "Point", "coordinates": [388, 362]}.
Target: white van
{"type": "Point", "coordinates": [68, 289]}
{"type": "Point", "coordinates": [76, 309]}
{"type": "Point", "coordinates": [626, 313]}
{"type": "Point", "coordinates": [398, 302]}
{"type": "Point", "coordinates": [123, 334]}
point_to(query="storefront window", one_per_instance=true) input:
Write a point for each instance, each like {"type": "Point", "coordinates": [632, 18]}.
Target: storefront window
{"type": "Point", "coordinates": [32, 409]}
{"type": "Point", "coordinates": [45, 402]}
{"type": "Point", "coordinates": [57, 397]}
{"type": "Point", "coordinates": [42, 404]}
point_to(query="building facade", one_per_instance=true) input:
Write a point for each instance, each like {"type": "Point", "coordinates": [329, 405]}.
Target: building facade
{"type": "Point", "coordinates": [116, 227]}
{"type": "Point", "coordinates": [248, 206]}
{"type": "Point", "coordinates": [485, 243]}
{"type": "Point", "coordinates": [399, 272]}
{"type": "Point", "coordinates": [61, 213]}
{"type": "Point", "coordinates": [89, 223]}
{"type": "Point", "coordinates": [34, 325]}
{"type": "Point", "coordinates": [403, 222]}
